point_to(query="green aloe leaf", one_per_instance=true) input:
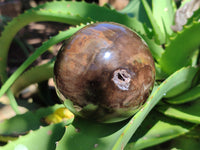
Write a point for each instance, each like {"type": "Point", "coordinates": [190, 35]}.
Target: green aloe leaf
{"type": "Point", "coordinates": [160, 74]}
{"type": "Point", "coordinates": [159, 36]}
{"type": "Point", "coordinates": [155, 49]}
{"type": "Point", "coordinates": [157, 129]}
{"type": "Point", "coordinates": [187, 78]}
{"type": "Point", "coordinates": [186, 112]}
{"type": "Point", "coordinates": [45, 138]}
{"type": "Point", "coordinates": [181, 48]}
{"type": "Point", "coordinates": [189, 141]}
{"type": "Point", "coordinates": [33, 75]}
{"type": "Point", "coordinates": [187, 96]}
{"type": "Point", "coordinates": [164, 12]}
{"type": "Point", "coordinates": [136, 9]}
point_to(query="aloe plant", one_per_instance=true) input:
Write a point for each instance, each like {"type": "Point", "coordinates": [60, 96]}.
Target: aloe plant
{"type": "Point", "coordinates": [176, 57]}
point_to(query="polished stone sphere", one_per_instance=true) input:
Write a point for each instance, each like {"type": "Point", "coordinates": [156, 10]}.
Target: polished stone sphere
{"type": "Point", "coordinates": [104, 72]}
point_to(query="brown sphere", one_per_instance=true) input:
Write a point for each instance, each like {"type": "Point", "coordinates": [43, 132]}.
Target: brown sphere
{"type": "Point", "coordinates": [104, 72]}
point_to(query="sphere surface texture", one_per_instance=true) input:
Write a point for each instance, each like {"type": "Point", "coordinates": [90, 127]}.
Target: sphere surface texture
{"type": "Point", "coordinates": [104, 72]}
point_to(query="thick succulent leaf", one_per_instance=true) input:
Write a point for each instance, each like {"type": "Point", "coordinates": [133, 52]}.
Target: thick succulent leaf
{"type": "Point", "coordinates": [159, 36]}
{"type": "Point", "coordinates": [44, 138]}
{"type": "Point", "coordinates": [186, 83]}
{"type": "Point", "coordinates": [136, 9]}
{"type": "Point", "coordinates": [155, 49]}
{"type": "Point", "coordinates": [34, 75]}
{"type": "Point", "coordinates": [181, 48]}
{"type": "Point", "coordinates": [190, 141]}
{"type": "Point", "coordinates": [21, 124]}
{"type": "Point", "coordinates": [157, 129]}
{"type": "Point", "coordinates": [160, 74]}
{"type": "Point", "coordinates": [187, 96]}
{"type": "Point", "coordinates": [164, 11]}
{"type": "Point", "coordinates": [187, 112]}
{"type": "Point", "coordinates": [115, 136]}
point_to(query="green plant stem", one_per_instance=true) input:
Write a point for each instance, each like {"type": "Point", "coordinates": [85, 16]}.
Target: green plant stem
{"type": "Point", "coordinates": [13, 102]}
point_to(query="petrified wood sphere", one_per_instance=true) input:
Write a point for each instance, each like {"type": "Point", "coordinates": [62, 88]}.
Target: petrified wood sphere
{"type": "Point", "coordinates": [104, 72]}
